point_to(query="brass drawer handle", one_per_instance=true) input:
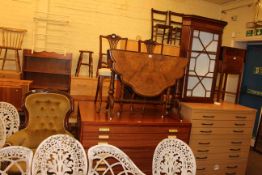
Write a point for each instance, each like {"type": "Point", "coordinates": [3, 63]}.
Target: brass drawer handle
{"type": "Point", "coordinates": [173, 131]}
{"type": "Point", "coordinates": [205, 157]}
{"type": "Point", "coordinates": [232, 167]}
{"type": "Point", "coordinates": [103, 136]}
{"type": "Point", "coordinates": [236, 143]}
{"type": "Point", "coordinates": [104, 129]}
{"type": "Point", "coordinates": [101, 143]}
{"type": "Point", "coordinates": [210, 131]}
{"type": "Point", "coordinates": [233, 156]}
{"type": "Point", "coordinates": [207, 124]}
{"type": "Point", "coordinates": [241, 117]}
{"type": "Point", "coordinates": [201, 169]}
{"type": "Point", "coordinates": [238, 131]}
{"type": "Point", "coordinates": [171, 137]}
{"type": "Point", "coordinates": [203, 143]}
{"type": "Point", "coordinates": [233, 173]}
{"type": "Point", "coordinates": [208, 116]}
{"type": "Point", "coordinates": [238, 149]}
{"type": "Point", "coordinates": [203, 151]}
{"type": "Point", "coordinates": [240, 124]}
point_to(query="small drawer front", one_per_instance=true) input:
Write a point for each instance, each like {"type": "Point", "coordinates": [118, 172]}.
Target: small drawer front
{"type": "Point", "coordinates": [230, 142]}
{"type": "Point", "coordinates": [216, 115]}
{"type": "Point", "coordinates": [233, 131]}
{"type": "Point", "coordinates": [222, 123]}
{"type": "Point", "coordinates": [129, 136]}
{"type": "Point", "coordinates": [221, 137]}
{"type": "Point", "coordinates": [224, 156]}
{"type": "Point", "coordinates": [127, 140]}
{"type": "Point", "coordinates": [220, 149]}
{"type": "Point", "coordinates": [134, 129]}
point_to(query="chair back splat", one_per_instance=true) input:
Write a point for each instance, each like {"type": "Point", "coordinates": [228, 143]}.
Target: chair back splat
{"type": "Point", "coordinates": [108, 159]}
{"type": "Point", "coordinates": [16, 159]}
{"type": "Point", "coordinates": [60, 155]}
{"type": "Point", "coordinates": [2, 133]}
{"type": "Point", "coordinates": [173, 156]}
{"type": "Point", "coordinates": [10, 117]}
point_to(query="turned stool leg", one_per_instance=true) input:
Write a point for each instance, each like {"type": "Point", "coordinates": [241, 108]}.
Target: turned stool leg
{"type": "Point", "coordinates": [79, 62]}
{"type": "Point", "coordinates": [4, 59]}
{"type": "Point", "coordinates": [89, 64]}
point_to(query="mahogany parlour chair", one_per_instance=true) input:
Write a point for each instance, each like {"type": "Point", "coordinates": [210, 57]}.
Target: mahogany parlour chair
{"type": "Point", "coordinates": [12, 39]}
{"type": "Point", "coordinates": [159, 26]}
{"type": "Point", "coordinates": [16, 159]}
{"type": "Point", "coordinates": [108, 159]}
{"type": "Point", "coordinates": [112, 41]}
{"type": "Point", "coordinates": [59, 155]}
{"type": "Point", "coordinates": [10, 118]}
{"type": "Point", "coordinates": [47, 113]}
{"type": "Point", "coordinates": [173, 156]}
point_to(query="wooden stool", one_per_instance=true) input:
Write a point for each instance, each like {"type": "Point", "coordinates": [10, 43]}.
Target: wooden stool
{"type": "Point", "coordinates": [12, 40]}
{"type": "Point", "coordinates": [89, 64]}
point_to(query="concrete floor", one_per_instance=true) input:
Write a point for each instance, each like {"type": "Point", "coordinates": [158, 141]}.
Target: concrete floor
{"type": "Point", "coordinates": [254, 166]}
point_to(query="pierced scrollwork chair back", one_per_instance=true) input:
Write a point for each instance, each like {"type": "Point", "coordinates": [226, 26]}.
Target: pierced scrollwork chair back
{"type": "Point", "coordinates": [60, 155]}
{"type": "Point", "coordinates": [10, 117]}
{"type": "Point", "coordinates": [173, 156]}
{"type": "Point", "coordinates": [108, 159]}
{"type": "Point", "coordinates": [2, 133]}
{"type": "Point", "coordinates": [16, 158]}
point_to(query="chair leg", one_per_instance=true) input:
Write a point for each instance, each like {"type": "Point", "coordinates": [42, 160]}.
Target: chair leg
{"type": "Point", "coordinates": [79, 62]}
{"type": "Point", "coordinates": [97, 88]}
{"type": "Point", "coordinates": [4, 59]}
{"type": "Point", "coordinates": [99, 92]}
{"type": "Point", "coordinates": [90, 73]}
{"type": "Point", "coordinates": [18, 66]}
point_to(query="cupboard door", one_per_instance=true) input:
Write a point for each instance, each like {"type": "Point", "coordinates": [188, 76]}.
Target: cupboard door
{"type": "Point", "coordinates": [200, 43]}
{"type": "Point", "coordinates": [12, 94]}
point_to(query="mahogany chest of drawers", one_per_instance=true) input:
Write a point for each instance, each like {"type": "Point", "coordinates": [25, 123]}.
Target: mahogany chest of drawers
{"type": "Point", "coordinates": [137, 135]}
{"type": "Point", "coordinates": [220, 136]}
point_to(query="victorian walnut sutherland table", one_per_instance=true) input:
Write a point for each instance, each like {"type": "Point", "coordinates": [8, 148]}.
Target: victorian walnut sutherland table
{"type": "Point", "coordinates": [137, 134]}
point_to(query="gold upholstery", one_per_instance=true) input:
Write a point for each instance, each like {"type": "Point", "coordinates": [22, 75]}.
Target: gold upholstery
{"type": "Point", "coordinates": [47, 114]}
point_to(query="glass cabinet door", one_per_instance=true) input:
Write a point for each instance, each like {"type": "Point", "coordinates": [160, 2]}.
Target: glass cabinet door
{"type": "Point", "coordinates": [202, 64]}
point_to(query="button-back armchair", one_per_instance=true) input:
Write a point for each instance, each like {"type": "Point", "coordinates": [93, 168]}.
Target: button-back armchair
{"type": "Point", "coordinates": [47, 113]}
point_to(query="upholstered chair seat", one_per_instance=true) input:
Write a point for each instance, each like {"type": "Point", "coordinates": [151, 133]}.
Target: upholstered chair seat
{"type": "Point", "coordinates": [47, 114]}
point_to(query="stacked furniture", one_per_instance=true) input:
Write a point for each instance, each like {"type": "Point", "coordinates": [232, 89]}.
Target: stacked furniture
{"type": "Point", "coordinates": [220, 136]}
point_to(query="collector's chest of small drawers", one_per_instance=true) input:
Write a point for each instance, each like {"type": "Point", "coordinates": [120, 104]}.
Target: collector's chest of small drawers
{"type": "Point", "coordinates": [220, 136]}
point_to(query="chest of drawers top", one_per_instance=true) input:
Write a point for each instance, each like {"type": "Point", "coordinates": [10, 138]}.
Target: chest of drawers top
{"type": "Point", "coordinates": [223, 111]}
